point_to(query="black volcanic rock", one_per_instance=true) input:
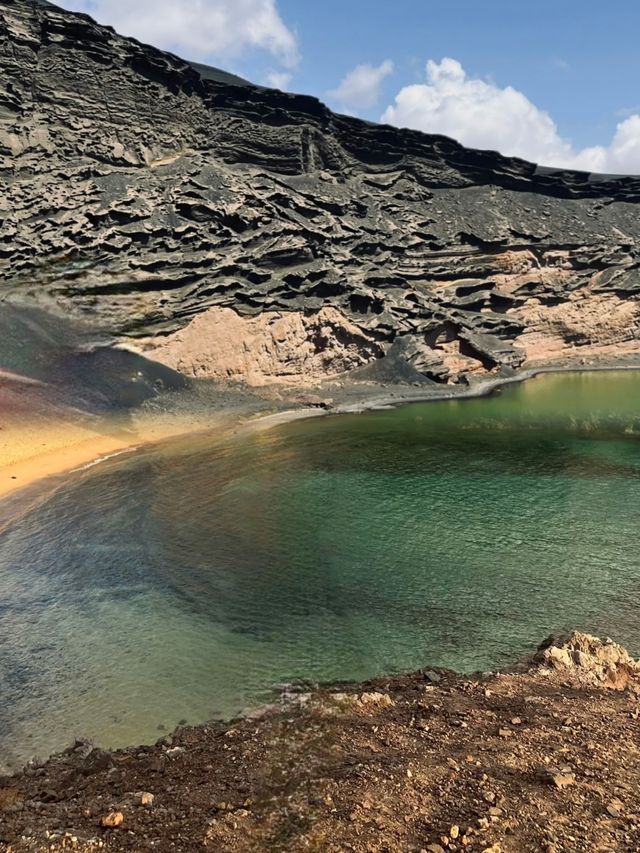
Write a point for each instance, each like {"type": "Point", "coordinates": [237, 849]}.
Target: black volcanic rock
{"type": "Point", "coordinates": [78, 370]}
{"type": "Point", "coordinates": [141, 190]}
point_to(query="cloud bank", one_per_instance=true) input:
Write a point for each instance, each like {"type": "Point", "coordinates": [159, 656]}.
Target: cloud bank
{"type": "Point", "coordinates": [199, 29]}
{"type": "Point", "coordinates": [360, 88]}
{"type": "Point", "coordinates": [482, 115]}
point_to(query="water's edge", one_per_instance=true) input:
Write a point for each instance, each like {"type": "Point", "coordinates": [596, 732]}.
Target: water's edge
{"type": "Point", "coordinates": [394, 396]}
{"type": "Point", "coordinates": [40, 492]}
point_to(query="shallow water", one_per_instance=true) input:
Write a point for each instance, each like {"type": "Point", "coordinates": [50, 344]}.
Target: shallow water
{"type": "Point", "coordinates": [183, 583]}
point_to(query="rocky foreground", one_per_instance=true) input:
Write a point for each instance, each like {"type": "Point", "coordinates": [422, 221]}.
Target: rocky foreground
{"type": "Point", "coordinates": [544, 757]}
{"type": "Point", "coordinates": [245, 233]}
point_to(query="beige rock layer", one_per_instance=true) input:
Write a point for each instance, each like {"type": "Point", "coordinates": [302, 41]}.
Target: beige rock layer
{"type": "Point", "coordinates": [587, 324]}
{"type": "Point", "coordinates": [285, 347]}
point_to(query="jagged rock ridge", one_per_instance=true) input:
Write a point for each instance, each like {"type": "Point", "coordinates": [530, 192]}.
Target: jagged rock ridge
{"type": "Point", "coordinates": [141, 190]}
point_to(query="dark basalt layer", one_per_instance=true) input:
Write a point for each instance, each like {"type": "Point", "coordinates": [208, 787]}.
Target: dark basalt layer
{"type": "Point", "coordinates": [142, 190]}
{"type": "Point", "coordinates": [76, 370]}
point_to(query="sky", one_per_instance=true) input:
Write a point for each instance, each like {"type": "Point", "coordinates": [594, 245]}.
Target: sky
{"type": "Point", "coordinates": [553, 81]}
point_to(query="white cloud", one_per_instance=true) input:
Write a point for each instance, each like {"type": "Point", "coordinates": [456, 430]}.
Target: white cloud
{"type": "Point", "coordinates": [278, 80]}
{"type": "Point", "coordinates": [360, 88]}
{"type": "Point", "coordinates": [482, 115]}
{"type": "Point", "coordinates": [623, 155]}
{"type": "Point", "coordinates": [199, 29]}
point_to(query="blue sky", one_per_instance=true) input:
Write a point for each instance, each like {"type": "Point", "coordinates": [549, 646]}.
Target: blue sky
{"type": "Point", "coordinates": [552, 81]}
{"type": "Point", "coordinates": [580, 61]}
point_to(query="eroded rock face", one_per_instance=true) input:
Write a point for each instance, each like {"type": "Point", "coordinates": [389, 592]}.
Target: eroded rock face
{"type": "Point", "coordinates": [141, 190]}
{"type": "Point", "coordinates": [591, 659]}
{"type": "Point", "coordinates": [275, 346]}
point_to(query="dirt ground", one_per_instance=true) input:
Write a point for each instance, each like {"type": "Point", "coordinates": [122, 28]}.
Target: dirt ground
{"type": "Point", "coordinates": [544, 757]}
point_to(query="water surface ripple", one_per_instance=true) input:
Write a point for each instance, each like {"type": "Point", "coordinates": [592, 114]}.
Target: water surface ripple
{"type": "Point", "coordinates": [183, 583]}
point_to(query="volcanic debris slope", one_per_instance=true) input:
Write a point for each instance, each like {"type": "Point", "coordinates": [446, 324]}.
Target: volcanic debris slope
{"type": "Point", "coordinates": [142, 190]}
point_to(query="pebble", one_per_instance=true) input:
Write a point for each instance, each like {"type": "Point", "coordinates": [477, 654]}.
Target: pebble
{"type": "Point", "coordinates": [382, 699]}
{"type": "Point", "coordinates": [615, 808]}
{"type": "Point", "coordinates": [112, 820]}
{"type": "Point", "coordinates": [563, 780]}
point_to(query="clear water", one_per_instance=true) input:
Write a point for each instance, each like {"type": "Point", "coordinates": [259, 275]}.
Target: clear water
{"type": "Point", "coordinates": [184, 583]}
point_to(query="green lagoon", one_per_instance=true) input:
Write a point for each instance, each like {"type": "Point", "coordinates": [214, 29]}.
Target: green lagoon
{"type": "Point", "coordinates": [186, 582]}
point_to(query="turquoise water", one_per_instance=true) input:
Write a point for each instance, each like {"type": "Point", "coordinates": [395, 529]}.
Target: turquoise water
{"type": "Point", "coordinates": [185, 582]}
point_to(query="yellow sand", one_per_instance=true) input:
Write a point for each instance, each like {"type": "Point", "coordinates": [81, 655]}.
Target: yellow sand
{"type": "Point", "coordinates": [39, 439]}
{"type": "Point", "coordinates": [32, 449]}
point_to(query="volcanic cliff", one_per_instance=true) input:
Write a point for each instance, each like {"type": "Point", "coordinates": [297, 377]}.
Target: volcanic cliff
{"type": "Point", "coordinates": [242, 232]}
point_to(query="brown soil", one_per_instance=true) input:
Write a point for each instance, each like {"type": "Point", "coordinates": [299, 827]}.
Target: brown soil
{"type": "Point", "coordinates": [546, 757]}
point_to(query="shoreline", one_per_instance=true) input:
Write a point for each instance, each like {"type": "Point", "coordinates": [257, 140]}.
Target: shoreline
{"type": "Point", "coordinates": [104, 439]}
{"type": "Point", "coordinates": [530, 730]}
{"type": "Point", "coordinates": [540, 756]}
{"type": "Point", "coordinates": [55, 464]}
{"type": "Point", "coordinates": [482, 388]}
{"type": "Point", "coordinates": [31, 468]}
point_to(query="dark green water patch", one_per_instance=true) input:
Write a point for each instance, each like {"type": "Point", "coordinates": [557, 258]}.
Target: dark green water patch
{"type": "Point", "coordinates": [185, 582]}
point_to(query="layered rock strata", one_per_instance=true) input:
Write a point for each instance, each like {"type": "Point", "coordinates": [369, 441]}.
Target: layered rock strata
{"type": "Point", "coordinates": [141, 192]}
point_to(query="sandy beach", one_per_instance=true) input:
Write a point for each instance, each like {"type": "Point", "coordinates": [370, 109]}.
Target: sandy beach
{"type": "Point", "coordinates": [29, 453]}
{"type": "Point", "coordinates": [39, 438]}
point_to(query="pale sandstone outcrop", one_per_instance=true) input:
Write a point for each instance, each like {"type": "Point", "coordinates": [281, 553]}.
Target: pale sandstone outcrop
{"type": "Point", "coordinates": [275, 346]}
{"type": "Point", "coordinates": [590, 659]}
